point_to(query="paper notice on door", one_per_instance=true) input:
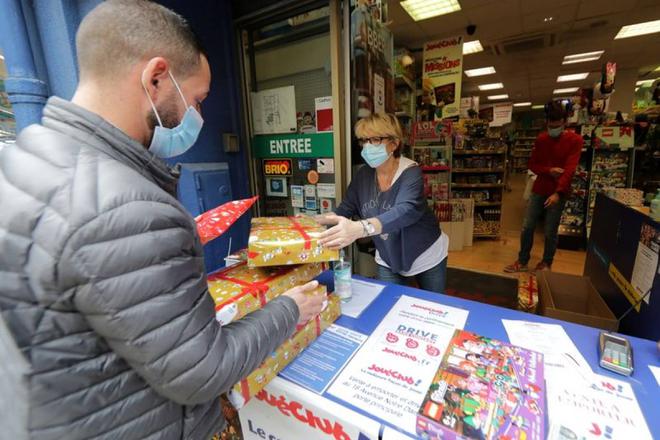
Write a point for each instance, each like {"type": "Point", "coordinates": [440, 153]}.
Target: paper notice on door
{"type": "Point", "coordinates": [389, 376]}
{"type": "Point", "coordinates": [646, 261]}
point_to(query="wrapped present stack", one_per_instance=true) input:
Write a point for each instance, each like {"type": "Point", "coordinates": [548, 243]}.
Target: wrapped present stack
{"type": "Point", "coordinates": [283, 252]}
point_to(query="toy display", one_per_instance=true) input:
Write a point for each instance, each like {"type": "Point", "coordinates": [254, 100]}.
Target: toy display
{"type": "Point", "coordinates": [485, 389]}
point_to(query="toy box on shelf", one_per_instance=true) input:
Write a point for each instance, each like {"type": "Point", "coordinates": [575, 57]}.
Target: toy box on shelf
{"type": "Point", "coordinates": [432, 151]}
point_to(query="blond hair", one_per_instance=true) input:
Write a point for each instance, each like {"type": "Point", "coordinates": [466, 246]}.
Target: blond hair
{"type": "Point", "coordinates": [381, 124]}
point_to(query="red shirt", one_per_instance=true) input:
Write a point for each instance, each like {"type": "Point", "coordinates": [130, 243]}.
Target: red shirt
{"type": "Point", "coordinates": [548, 152]}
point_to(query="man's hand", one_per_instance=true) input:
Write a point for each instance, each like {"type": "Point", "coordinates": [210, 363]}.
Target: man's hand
{"type": "Point", "coordinates": [553, 199]}
{"type": "Point", "coordinates": [309, 305]}
{"type": "Point", "coordinates": [556, 172]}
{"type": "Point", "coordinates": [342, 234]}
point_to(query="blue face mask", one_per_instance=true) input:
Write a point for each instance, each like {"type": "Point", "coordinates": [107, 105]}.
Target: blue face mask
{"type": "Point", "coordinates": [375, 155]}
{"type": "Point", "coordinates": [555, 132]}
{"type": "Point", "coordinates": [170, 142]}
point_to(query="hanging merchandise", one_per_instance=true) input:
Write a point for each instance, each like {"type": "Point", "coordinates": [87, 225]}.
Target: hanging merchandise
{"type": "Point", "coordinates": [442, 74]}
{"type": "Point", "coordinates": [371, 61]}
{"type": "Point", "coordinates": [607, 80]}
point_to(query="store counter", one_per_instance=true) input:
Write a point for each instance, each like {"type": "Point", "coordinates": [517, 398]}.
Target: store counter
{"type": "Point", "coordinates": [483, 319]}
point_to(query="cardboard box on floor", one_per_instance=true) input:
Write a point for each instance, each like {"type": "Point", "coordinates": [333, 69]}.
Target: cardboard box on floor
{"type": "Point", "coordinates": [573, 298]}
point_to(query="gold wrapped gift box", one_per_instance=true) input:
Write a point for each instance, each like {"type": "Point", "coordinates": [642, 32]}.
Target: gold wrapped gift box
{"type": "Point", "coordinates": [276, 241]}
{"type": "Point", "coordinates": [243, 391]}
{"type": "Point", "coordinates": [239, 289]}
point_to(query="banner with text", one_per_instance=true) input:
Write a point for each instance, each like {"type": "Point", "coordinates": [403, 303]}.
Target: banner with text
{"type": "Point", "coordinates": [293, 146]}
{"type": "Point", "coordinates": [442, 75]}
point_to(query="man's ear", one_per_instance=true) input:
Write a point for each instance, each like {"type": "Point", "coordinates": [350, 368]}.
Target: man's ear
{"type": "Point", "coordinates": [155, 71]}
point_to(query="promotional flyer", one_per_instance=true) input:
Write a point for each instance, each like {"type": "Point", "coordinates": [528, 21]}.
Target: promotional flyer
{"type": "Point", "coordinates": [389, 376]}
{"type": "Point", "coordinates": [442, 74]}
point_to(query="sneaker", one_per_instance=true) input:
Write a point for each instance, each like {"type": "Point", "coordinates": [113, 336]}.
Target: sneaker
{"type": "Point", "coordinates": [543, 266]}
{"type": "Point", "coordinates": [516, 267]}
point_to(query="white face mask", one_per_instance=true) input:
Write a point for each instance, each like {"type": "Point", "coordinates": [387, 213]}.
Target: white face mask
{"type": "Point", "coordinates": [170, 142]}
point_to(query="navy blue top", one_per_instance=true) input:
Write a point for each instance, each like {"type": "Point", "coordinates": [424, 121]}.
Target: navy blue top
{"type": "Point", "coordinates": [409, 227]}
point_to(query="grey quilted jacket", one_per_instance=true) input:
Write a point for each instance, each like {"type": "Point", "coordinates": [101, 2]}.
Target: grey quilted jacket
{"type": "Point", "coordinates": [103, 293]}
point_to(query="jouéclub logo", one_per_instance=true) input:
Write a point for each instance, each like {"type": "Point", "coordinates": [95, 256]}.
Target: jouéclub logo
{"type": "Point", "coordinates": [296, 410]}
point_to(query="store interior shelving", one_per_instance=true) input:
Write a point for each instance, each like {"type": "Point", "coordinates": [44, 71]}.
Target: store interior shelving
{"type": "Point", "coordinates": [479, 173]}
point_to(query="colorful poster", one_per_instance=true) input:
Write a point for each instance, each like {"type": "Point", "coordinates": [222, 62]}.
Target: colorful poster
{"type": "Point", "coordinates": [604, 408]}
{"type": "Point", "coordinates": [389, 376]}
{"type": "Point", "coordinates": [286, 411]}
{"type": "Point", "coordinates": [442, 75]}
{"type": "Point", "coordinates": [485, 389]}
{"type": "Point", "coordinates": [646, 261]}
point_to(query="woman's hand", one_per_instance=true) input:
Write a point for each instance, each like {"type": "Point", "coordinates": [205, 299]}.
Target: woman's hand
{"type": "Point", "coordinates": [342, 234]}
{"type": "Point", "coordinates": [325, 219]}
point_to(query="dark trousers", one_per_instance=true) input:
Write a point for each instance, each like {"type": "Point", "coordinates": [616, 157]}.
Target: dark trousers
{"type": "Point", "coordinates": [534, 212]}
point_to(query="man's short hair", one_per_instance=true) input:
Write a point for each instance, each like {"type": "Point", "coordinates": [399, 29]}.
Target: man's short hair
{"type": "Point", "coordinates": [117, 34]}
{"type": "Point", "coordinates": [555, 111]}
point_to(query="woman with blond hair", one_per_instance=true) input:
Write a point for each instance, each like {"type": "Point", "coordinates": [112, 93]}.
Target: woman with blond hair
{"type": "Point", "coordinates": [387, 198]}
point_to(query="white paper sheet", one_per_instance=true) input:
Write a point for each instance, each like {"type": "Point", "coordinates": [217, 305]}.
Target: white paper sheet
{"type": "Point", "coordinates": [364, 293]}
{"type": "Point", "coordinates": [560, 355]}
{"type": "Point", "coordinates": [603, 408]}
{"type": "Point", "coordinates": [390, 375]}
{"type": "Point", "coordinates": [656, 373]}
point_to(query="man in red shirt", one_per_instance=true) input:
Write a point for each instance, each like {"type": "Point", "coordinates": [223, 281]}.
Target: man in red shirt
{"type": "Point", "coordinates": [554, 159]}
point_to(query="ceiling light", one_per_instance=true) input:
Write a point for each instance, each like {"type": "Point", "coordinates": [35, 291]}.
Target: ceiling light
{"type": "Point", "coordinates": [548, 19]}
{"type": "Point", "coordinates": [657, 69]}
{"type": "Point", "coordinates": [634, 30]}
{"type": "Point", "coordinates": [480, 72]}
{"type": "Point", "coordinates": [595, 53]}
{"type": "Point", "coordinates": [583, 57]}
{"type": "Point", "coordinates": [566, 90]}
{"type": "Point", "coordinates": [572, 77]}
{"type": "Point", "coordinates": [423, 9]}
{"type": "Point", "coordinates": [522, 104]}
{"type": "Point", "coordinates": [636, 88]}
{"type": "Point", "coordinates": [493, 86]}
{"type": "Point", "coordinates": [472, 47]}
{"type": "Point", "coordinates": [580, 60]}
{"type": "Point", "coordinates": [644, 82]}
{"type": "Point", "coordinates": [537, 107]}
{"type": "Point", "coordinates": [496, 97]}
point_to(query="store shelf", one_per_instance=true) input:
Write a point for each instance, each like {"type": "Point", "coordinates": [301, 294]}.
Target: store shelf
{"type": "Point", "coordinates": [488, 204]}
{"type": "Point", "coordinates": [478, 152]}
{"type": "Point", "coordinates": [483, 235]}
{"type": "Point", "coordinates": [477, 185]}
{"type": "Point", "coordinates": [478, 170]}
{"type": "Point", "coordinates": [403, 115]}
{"type": "Point", "coordinates": [428, 168]}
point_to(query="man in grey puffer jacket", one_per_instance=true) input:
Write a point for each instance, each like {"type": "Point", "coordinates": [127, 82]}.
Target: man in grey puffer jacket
{"type": "Point", "coordinates": [107, 330]}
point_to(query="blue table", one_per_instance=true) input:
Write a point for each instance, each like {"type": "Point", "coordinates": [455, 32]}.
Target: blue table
{"type": "Point", "coordinates": [485, 319]}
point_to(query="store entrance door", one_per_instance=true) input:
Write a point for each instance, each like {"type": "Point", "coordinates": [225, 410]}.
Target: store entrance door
{"type": "Point", "coordinates": [292, 109]}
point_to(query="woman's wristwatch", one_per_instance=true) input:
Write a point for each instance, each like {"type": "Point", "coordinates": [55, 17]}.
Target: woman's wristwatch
{"type": "Point", "coordinates": [368, 228]}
